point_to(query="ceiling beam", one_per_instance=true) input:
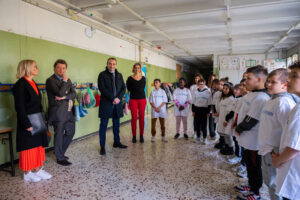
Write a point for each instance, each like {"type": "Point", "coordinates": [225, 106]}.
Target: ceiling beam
{"type": "Point", "coordinates": [153, 27]}
{"type": "Point", "coordinates": [283, 37]}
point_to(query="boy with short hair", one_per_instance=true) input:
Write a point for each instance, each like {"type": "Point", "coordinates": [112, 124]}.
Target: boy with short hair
{"type": "Point", "coordinates": [201, 105]}
{"type": "Point", "coordinates": [273, 119]}
{"type": "Point", "coordinates": [288, 159]}
{"type": "Point", "coordinates": [158, 100]}
{"type": "Point", "coordinates": [247, 130]}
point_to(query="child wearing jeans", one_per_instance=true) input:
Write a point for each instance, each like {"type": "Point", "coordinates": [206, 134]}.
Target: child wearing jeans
{"type": "Point", "coordinates": [288, 159]}
{"type": "Point", "coordinates": [158, 100]}
{"type": "Point", "coordinates": [182, 99]}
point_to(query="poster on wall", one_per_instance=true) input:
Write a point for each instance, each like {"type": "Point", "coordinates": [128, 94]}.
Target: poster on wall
{"type": "Point", "coordinates": [273, 64]}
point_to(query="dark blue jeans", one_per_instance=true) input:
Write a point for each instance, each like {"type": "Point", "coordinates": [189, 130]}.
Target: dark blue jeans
{"type": "Point", "coordinates": [103, 127]}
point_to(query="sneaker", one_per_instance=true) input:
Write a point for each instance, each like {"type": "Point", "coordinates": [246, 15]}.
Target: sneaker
{"type": "Point", "coordinates": [242, 174]}
{"type": "Point", "coordinates": [164, 139]}
{"type": "Point", "coordinates": [213, 138]}
{"type": "Point", "coordinates": [195, 136]}
{"type": "Point", "coordinates": [234, 160]}
{"type": "Point", "coordinates": [239, 168]}
{"type": "Point", "coordinates": [248, 196]}
{"type": "Point", "coordinates": [186, 136]}
{"type": "Point", "coordinates": [153, 139]}
{"type": "Point", "coordinates": [198, 140]}
{"type": "Point", "coordinates": [31, 177]}
{"type": "Point", "coordinates": [242, 188]}
{"type": "Point", "coordinates": [204, 141]}
{"type": "Point", "coordinates": [43, 174]}
{"type": "Point", "coordinates": [176, 136]}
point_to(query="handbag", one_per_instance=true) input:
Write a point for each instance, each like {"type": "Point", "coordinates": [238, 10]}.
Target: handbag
{"type": "Point", "coordinates": [38, 123]}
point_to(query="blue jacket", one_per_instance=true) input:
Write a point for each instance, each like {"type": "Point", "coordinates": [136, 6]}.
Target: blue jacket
{"type": "Point", "coordinates": [106, 87]}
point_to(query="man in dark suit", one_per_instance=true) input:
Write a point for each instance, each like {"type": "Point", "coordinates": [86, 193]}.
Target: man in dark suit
{"type": "Point", "coordinates": [61, 95]}
{"type": "Point", "coordinates": [112, 88]}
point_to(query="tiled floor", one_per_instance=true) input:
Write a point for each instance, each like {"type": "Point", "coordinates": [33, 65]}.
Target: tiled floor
{"type": "Point", "coordinates": [178, 169]}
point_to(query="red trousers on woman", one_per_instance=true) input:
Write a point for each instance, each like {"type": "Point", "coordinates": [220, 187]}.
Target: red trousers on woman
{"type": "Point", "coordinates": [137, 105]}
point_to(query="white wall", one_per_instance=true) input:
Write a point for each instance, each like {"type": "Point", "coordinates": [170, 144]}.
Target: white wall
{"type": "Point", "coordinates": [22, 18]}
{"type": "Point", "coordinates": [293, 50]}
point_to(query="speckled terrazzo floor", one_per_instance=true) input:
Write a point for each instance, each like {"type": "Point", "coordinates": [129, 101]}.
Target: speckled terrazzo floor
{"type": "Point", "coordinates": [178, 169]}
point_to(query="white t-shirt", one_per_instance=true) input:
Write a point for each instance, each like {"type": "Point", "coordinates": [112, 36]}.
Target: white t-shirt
{"type": "Point", "coordinates": [234, 106]}
{"type": "Point", "coordinates": [216, 101]}
{"type": "Point", "coordinates": [288, 174]}
{"type": "Point", "coordinates": [157, 97]}
{"type": "Point", "coordinates": [225, 108]}
{"type": "Point", "coordinates": [252, 106]}
{"type": "Point", "coordinates": [193, 89]}
{"type": "Point", "coordinates": [202, 98]}
{"type": "Point", "coordinates": [182, 96]}
{"type": "Point", "coordinates": [273, 119]}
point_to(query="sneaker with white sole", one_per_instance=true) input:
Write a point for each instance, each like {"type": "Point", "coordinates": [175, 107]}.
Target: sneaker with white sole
{"type": "Point", "coordinates": [243, 189]}
{"type": "Point", "coordinates": [248, 196]}
{"type": "Point", "coordinates": [204, 141]}
{"type": "Point", "coordinates": [234, 160]}
{"type": "Point", "coordinates": [43, 174]}
{"type": "Point", "coordinates": [164, 139]}
{"type": "Point", "coordinates": [153, 139]}
{"type": "Point", "coordinates": [195, 136]}
{"type": "Point", "coordinates": [31, 177]}
{"type": "Point", "coordinates": [242, 174]}
{"type": "Point", "coordinates": [239, 168]}
{"type": "Point", "coordinates": [197, 140]}
{"type": "Point", "coordinates": [213, 138]}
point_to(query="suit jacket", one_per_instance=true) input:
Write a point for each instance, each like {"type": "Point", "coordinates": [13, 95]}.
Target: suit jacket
{"type": "Point", "coordinates": [106, 87]}
{"type": "Point", "coordinates": [27, 102]}
{"type": "Point", "coordinates": [58, 110]}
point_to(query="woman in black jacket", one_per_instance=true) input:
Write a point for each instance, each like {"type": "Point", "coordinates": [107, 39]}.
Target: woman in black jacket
{"type": "Point", "coordinates": [28, 101]}
{"type": "Point", "coordinates": [136, 86]}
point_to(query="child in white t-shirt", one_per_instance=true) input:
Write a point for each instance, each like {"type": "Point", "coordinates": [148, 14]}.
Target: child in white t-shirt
{"type": "Point", "coordinates": [201, 105]}
{"type": "Point", "coordinates": [225, 107]}
{"type": "Point", "coordinates": [273, 119]}
{"type": "Point", "coordinates": [288, 159]}
{"type": "Point", "coordinates": [193, 89]}
{"type": "Point", "coordinates": [216, 110]}
{"type": "Point", "coordinates": [158, 100]}
{"type": "Point", "coordinates": [182, 99]}
{"type": "Point", "coordinates": [247, 130]}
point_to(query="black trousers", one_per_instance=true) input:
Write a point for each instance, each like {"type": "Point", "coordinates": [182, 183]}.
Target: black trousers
{"type": "Point", "coordinates": [238, 148]}
{"type": "Point", "coordinates": [201, 120]}
{"type": "Point", "coordinates": [211, 126]}
{"type": "Point", "coordinates": [253, 165]}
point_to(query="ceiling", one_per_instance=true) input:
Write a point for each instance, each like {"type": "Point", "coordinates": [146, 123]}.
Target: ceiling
{"type": "Point", "coordinates": [194, 30]}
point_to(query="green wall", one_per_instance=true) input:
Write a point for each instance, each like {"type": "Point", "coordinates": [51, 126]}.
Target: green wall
{"type": "Point", "coordinates": [83, 66]}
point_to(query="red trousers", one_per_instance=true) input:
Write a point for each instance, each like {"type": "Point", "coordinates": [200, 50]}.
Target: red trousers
{"type": "Point", "coordinates": [137, 105]}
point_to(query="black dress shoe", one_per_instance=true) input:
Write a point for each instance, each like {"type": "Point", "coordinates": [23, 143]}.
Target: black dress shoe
{"type": "Point", "coordinates": [141, 139]}
{"type": "Point", "coordinates": [63, 162]}
{"type": "Point", "coordinates": [119, 145]}
{"type": "Point", "coordinates": [66, 157]}
{"type": "Point", "coordinates": [133, 139]}
{"type": "Point", "coordinates": [102, 151]}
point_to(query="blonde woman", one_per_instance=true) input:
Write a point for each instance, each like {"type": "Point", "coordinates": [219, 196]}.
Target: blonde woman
{"type": "Point", "coordinates": [136, 86]}
{"type": "Point", "coordinates": [28, 101]}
